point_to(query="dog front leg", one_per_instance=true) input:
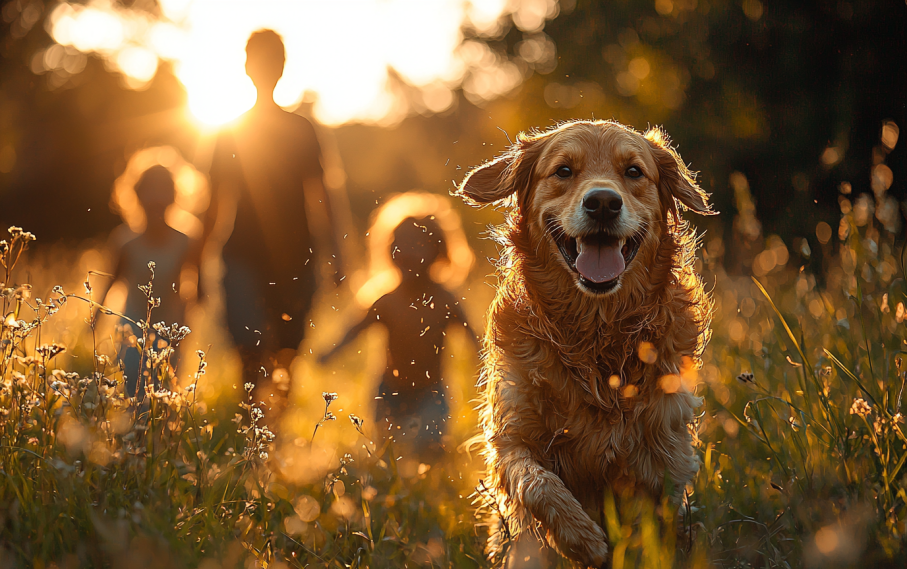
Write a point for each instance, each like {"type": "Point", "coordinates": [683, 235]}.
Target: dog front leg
{"type": "Point", "coordinates": [539, 492]}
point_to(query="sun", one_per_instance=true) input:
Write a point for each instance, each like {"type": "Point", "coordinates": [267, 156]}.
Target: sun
{"type": "Point", "coordinates": [350, 56]}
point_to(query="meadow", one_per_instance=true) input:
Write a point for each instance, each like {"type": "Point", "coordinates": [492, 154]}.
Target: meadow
{"type": "Point", "coordinates": [801, 436]}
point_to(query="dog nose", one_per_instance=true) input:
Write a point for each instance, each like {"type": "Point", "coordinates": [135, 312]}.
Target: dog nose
{"type": "Point", "coordinates": [602, 204]}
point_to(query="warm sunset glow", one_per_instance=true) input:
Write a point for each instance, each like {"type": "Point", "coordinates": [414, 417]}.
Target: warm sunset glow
{"type": "Point", "coordinates": [382, 276]}
{"type": "Point", "coordinates": [350, 56]}
{"type": "Point", "coordinates": [191, 190]}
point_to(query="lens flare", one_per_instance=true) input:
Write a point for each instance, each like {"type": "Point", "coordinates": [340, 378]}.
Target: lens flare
{"type": "Point", "coordinates": [373, 61]}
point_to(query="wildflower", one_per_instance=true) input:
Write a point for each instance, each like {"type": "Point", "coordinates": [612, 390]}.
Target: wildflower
{"type": "Point", "coordinates": [263, 455]}
{"type": "Point", "coordinates": [347, 458]}
{"type": "Point", "coordinates": [50, 351]}
{"type": "Point", "coordinates": [15, 231]}
{"type": "Point", "coordinates": [746, 377]}
{"type": "Point", "coordinates": [249, 386]}
{"type": "Point", "coordinates": [329, 397]}
{"type": "Point", "coordinates": [175, 333]}
{"type": "Point", "coordinates": [897, 419]}
{"type": "Point", "coordinates": [860, 407]}
{"type": "Point", "coordinates": [266, 433]}
{"type": "Point", "coordinates": [329, 416]}
{"type": "Point", "coordinates": [356, 421]}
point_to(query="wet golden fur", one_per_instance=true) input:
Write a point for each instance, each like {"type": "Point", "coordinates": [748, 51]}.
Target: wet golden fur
{"type": "Point", "coordinates": [558, 428]}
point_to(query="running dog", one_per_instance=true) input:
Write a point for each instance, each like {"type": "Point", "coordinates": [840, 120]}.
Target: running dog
{"type": "Point", "coordinates": [598, 321]}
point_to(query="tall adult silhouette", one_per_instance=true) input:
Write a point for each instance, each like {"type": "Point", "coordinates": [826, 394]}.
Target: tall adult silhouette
{"type": "Point", "coordinates": [267, 167]}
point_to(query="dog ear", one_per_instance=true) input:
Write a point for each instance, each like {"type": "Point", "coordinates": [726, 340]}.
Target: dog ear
{"type": "Point", "coordinates": [489, 182]}
{"type": "Point", "coordinates": [676, 183]}
{"type": "Point", "coordinates": [511, 172]}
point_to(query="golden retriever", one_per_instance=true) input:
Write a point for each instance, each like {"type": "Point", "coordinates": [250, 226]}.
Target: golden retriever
{"type": "Point", "coordinates": [597, 316]}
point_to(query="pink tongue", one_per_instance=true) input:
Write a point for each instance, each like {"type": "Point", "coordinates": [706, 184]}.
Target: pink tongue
{"type": "Point", "coordinates": [599, 262]}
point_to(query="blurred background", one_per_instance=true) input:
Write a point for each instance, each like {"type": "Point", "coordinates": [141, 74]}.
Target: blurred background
{"type": "Point", "coordinates": [788, 110]}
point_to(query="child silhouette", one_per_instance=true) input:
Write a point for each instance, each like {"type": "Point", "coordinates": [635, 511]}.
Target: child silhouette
{"type": "Point", "coordinates": [411, 403]}
{"type": "Point", "coordinates": [168, 248]}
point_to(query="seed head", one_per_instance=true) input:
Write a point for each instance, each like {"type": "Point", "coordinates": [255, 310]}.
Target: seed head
{"type": "Point", "coordinates": [860, 407]}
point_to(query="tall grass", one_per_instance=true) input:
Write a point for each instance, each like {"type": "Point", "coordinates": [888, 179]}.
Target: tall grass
{"type": "Point", "coordinates": [89, 476]}
{"type": "Point", "coordinates": [802, 441]}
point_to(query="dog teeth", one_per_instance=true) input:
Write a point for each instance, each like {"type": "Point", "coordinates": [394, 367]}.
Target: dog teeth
{"type": "Point", "coordinates": [579, 246]}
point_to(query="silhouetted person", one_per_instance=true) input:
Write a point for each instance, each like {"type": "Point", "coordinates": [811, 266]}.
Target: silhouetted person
{"type": "Point", "coordinates": [268, 166]}
{"type": "Point", "coordinates": [169, 250]}
{"type": "Point", "coordinates": [411, 404]}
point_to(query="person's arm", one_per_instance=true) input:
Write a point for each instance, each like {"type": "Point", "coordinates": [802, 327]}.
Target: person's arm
{"type": "Point", "coordinates": [371, 317]}
{"type": "Point", "coordinates": [218, 173]}
{"type": "Point", "coordinates": [457, 315]}
{"type": "Point", "coordinates": [101, 291]}
{"type": "Point", "coordinates": [320, 211]}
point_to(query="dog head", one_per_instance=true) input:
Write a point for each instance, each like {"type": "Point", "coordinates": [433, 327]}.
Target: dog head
{"type": "Point", "coordinates": [595, 197]}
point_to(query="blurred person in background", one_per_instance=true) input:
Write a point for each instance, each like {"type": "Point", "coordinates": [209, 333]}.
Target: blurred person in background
{"type": "Point", "coordinates": [169, 249]}
{"type": "Point", "coordinates": [411, 403]}
{"type": "Point", "coordinates": [267, 175]}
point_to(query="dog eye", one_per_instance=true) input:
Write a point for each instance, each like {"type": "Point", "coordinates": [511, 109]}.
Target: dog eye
{"type": "Point", "coordinates": [634, 172]}
{"type": "Point", "coordinates": [563, 172]}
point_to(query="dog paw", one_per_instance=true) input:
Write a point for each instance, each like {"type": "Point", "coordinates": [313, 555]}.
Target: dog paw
{"type": "Point", "coordinates": [587, 546]}
{"type": "Point", "coordinates": [598, 554]}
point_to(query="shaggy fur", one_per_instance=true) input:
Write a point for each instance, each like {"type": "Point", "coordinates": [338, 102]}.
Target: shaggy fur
{"type": "Point", "coordinates": [569, 407]}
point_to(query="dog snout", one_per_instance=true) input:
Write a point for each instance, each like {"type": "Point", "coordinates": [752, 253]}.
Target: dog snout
{"type": "Point", "coordinates": [602, 204]}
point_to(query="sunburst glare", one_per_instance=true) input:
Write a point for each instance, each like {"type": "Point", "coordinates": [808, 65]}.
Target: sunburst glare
{"type": "Point", "coordinates": [368, 61]}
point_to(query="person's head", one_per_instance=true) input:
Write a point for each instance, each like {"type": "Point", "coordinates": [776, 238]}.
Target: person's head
{"type": "Point", "coordinates": [155, 190]}
{"type": "Point", "coordinates": [265, 57]}
{"type": "Point", "coordinates": [417, 244]}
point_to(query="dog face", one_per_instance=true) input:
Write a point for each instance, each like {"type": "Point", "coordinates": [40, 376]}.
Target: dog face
{"type": "Point", "coordinates": [595, 196]}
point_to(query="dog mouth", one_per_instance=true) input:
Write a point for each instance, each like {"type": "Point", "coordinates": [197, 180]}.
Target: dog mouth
{"type": "Point", "coordinates": [599, 259]}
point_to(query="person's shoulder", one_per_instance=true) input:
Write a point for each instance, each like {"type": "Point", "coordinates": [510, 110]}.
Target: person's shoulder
{"type": "Point", "coordinates": [443, 296]}
{"type": "Point", "coordinates": [178, 237]}
{"type": "Point", "coordinates": [385, 301]}
{"type": "Point", "coordinates": [121, 236]}
{"type": "Point", "coordinates": [233, 128]}
{"type": "Point", "coordinates": [226, 137]}
{"type": "Point", "coordinates": [302, 123]}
